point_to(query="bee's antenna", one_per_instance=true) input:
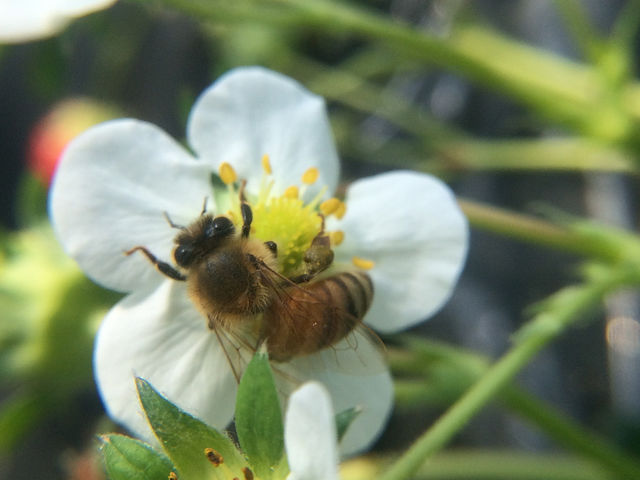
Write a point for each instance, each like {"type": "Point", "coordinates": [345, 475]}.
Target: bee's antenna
{"type": "Point", "coordinates": [204, 206]}
{"type": "Point", "coordinates": [170, 222]}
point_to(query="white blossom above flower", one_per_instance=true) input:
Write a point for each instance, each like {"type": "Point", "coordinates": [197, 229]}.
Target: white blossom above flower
{"type": "Point", "coordinates": [115, 181]}
{"type": "Point", "coordinates": [25, 20]}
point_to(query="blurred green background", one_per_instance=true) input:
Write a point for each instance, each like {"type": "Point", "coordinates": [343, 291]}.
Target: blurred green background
{"type": "Point", "coordinates": [529, 109]}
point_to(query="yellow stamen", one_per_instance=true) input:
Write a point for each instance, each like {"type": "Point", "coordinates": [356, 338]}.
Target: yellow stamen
{"type": "Point", "coordinates": [227, 173]}
{"type": "Point", "coordinates": [291, 192]}
{"type": "Point", "coordinates": [329, 206]}
{"type": "Point", "coordinates": [336, 237]}
{"type": "Point", "coordinates": [266, 164]}
{"type": "Point", "coordinates": [363, 263]}
{"type": "Point", "coordinates": [310, 176]}
{"type": "Point", "coordinates": [340, 210]}
{"type": "Point", "coordinates": [173, 476]}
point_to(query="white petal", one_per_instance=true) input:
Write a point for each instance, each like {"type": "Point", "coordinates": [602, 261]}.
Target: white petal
{"type": "Point", "coordinates": [310, 434]}
{"type": "Point", "coordinates": [161, 338]}
{"type": "Point", "coordinates": [410, 225]}
{"type": "Point", "coordinates": [252, 111]}
{"type": "Point", "coordinates": [355, 373]}
{"type": "Point", "coordinates": [110, 191]}
{"type": "Point", "coordinates": [82, 7]}
{"type": "Point", "coordinates": [25, 20]}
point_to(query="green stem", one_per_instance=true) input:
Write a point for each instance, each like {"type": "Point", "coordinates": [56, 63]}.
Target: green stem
{"type": "Point", "coordinates": [569, 305]}
{"type": "Point", "coordinates": [568, 153]}
{"type": "Point", "coordinates": [532, 230]}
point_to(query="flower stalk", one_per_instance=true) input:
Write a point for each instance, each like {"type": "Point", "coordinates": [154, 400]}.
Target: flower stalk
{"type": "Point", "coordinates": [556, 315]}
{"type": "Point", "coordinates": [576, 236]}
{"type": "Point", "coordinates": [422, 357]}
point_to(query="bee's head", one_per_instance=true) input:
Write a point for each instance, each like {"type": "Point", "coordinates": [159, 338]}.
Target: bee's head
{"type": "Point", "coordinates": [201, 238]}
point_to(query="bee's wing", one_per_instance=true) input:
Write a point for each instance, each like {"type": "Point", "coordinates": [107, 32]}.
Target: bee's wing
{"type": "Point", "coordinates": [237, 347]}
{"type": "Point", "coordinates": [359, 353]}
{"type": "Point", "coordinates": [343, 360]}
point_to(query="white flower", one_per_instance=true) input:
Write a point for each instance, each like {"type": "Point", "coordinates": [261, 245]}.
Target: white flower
{"type": "Point", "coordinates": [310, 434]}
{"type": "Point", "coordinates": [116, 180]}
{"type": "Point", "coordinates": [24, 20]}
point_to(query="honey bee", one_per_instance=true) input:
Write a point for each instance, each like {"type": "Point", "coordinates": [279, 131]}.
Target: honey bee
{"type": "Point", "coordinates": [233, 281]}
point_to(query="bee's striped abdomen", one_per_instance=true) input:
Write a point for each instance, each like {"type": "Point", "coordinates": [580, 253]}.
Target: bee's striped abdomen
{"type": "Point", "coordinates": [317, 315]}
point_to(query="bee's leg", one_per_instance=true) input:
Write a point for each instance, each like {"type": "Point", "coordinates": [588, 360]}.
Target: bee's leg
{"type": "Point", "coordinates": [319, 255]}
{"type": "Point", "coordinates": [245, 210]}
{"type": "Point", "coordinates": [305, 277]}
{"type": "Point", "coordinates": [170, 222]}
{"type": "Point", "coordinates": [247, 218]}
{"type": "Point", "coordinates": [321, 232]}
{"type": "Point", "coordinates": [163, 267]}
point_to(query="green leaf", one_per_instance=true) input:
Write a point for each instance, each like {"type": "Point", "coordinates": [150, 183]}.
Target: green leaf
{"type": "Point", "coordinates": [344, 419]}
{"type": "Point", "coordinates": [259, 418]}
{"type": "Point", "coordinates": [129, 459]}
{"type": "Point", "coordinates": [185, 438]}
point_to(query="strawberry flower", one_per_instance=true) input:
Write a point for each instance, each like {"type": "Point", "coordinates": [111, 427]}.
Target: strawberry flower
{"type": "Point", "coordinates": [256, 128]}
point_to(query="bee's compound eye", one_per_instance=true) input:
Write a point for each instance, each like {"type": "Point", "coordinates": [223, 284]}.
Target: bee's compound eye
{"type": "Point", "coordinates": [183, 255]}
{"type": "Point", "coordinates": [219, 227]}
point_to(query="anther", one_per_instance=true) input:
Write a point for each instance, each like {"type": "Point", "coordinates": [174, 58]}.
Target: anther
{"type": "Point", "coordinates": [336, 237]}
{"type": "Point", "coordinates": [227, 173]}
{"type": "Point", "coordinates": [214, 457]}
{"type": "Point", "coordinates": [291, 192]}
{"type": "Point", "coordinates": [310, 176]}
{"type": "Point", "coordinates": [266, 164]}
{"type": "Point", "coordinates": [340, 210]}
{"type": "Point", "coordinates": [329, 206]}
{"type": "Point", "coordinates": [363, 263]}
{"type": "Point", "coordinates": [173, 476]}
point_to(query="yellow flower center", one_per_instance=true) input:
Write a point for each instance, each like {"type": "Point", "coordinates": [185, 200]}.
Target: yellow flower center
{"type": "Point", "coordinates": [286, 218]}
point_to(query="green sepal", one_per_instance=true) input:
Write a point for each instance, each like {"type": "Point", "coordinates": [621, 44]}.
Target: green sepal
{"type": "Point", "coordinates": [185, 438]}
{"type": "Point", "coordinates": [129, 459]}
{"type": "Point", "coordinates": [259, 418]}
{"type": "Point", "coordinates": [344, 420]}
